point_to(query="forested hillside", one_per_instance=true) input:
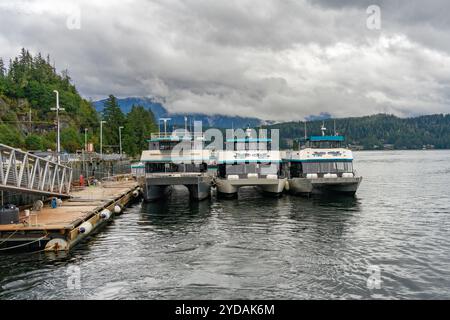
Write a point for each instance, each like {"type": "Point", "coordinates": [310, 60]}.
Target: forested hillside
{"type": "Point", "coordinates": [26, 120]}
{"type": "Point", "coordinates": [372, 132]}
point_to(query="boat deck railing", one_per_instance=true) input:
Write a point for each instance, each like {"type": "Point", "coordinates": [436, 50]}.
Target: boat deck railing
{"type": "Point", "coordinates": [322, 174]}
{"type": "Point", "coordinates": [174, 174]}
{"type": "Point", "coordinates": [174, 136]}
{"type": "Point", "coordinates": [252, 175]}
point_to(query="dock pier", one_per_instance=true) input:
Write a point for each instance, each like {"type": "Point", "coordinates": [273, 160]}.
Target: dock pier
{"type": "Point", "coordinates": [61, 228]}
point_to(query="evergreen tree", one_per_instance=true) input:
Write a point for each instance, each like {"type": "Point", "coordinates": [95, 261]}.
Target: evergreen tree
{"type": "Point", "coordinates": [139, 125]}
{"type": "Point", "coordinates": [114, 118]}
{"type": "Point", "coordinates": [2, 68]}
{"type": "Point", "coordinates": [32, 80]}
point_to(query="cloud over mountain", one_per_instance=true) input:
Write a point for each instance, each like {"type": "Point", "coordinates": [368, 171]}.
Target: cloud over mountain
{"type": "Point", "coordinates": [278, 60]}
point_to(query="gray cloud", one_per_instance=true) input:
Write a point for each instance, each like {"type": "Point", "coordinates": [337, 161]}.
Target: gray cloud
{"type": "Point", "coordinates": [277, 60]}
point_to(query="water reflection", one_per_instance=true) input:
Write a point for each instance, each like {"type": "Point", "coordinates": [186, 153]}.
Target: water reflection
{"type": "Point", "coordinates": [259, 247]}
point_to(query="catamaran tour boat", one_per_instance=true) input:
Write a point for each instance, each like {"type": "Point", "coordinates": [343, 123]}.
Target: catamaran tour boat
{"type": "Point", "coordinates": [249, 161]}
{"type": "Point", "coordinates": [165, 168]}
{"type": "Point", "coordinates": [324, 165]}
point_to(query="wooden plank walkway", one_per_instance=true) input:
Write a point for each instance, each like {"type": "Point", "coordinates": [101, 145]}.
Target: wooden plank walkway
{"type": "Point", "coordinates": [85, 205]}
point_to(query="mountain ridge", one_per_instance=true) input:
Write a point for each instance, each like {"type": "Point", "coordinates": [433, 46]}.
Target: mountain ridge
{"type": "Point", "coordinates": [159, 111]}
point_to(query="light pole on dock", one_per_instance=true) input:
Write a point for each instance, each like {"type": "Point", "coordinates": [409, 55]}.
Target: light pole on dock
{"type": "Point", "coordinates": [85, 139]}
{"type": "Point", "coordinates": [101, 138]}
{"type": "Point", "coordinates": [120, 141]}
{"type": "Point", "coordinates": [58, 136]}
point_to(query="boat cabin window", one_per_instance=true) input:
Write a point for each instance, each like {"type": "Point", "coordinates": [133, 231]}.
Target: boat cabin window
{"type": "Point", "coordinates": [173, 167]}
{"type": "Point", "coordinates": [250, 145]}
{"type": "Point", "coordinates": [296, 169]}
{"type": "Point", "coordinates": [168, 145]}
{"type": "Point", "coordinates": [327, 167]}
{"type": "Point", "coordinates": [242, 169]}
{"type": "Point", "coordinates": [160, 167]}
{"type": "Point", "coordinates": [324, 144]}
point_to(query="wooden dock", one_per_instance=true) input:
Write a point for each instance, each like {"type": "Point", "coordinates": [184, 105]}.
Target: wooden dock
{"type": "Point", "coordinates": [61, 228]}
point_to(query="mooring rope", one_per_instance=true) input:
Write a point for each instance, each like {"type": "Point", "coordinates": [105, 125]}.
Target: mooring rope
{"type": "Point", "coordinates": [23, 244]}
{"type": "Point", "coordinates": [9, 237]}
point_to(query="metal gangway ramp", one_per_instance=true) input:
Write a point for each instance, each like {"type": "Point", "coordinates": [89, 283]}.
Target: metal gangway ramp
{"type": "Point", "coordinates": [23, 172]}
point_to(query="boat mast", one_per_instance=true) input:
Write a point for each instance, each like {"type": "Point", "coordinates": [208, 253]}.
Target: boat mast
{"type": "Point", "coordinates": [305, 132]}
{"type": "Point", "coordinates": [323, 129]}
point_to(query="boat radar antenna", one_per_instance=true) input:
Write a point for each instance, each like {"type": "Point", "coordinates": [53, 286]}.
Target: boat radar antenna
{"type": "Point", "coordinates": [323, 129]}
{"type": "Point", "coordinates": [306, 136]}
{"type": "Point", "coordinates": [248, 131]}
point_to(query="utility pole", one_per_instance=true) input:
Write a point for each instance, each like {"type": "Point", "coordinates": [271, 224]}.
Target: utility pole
{"type": "Point", "coordinates": [101, 138]}
{"type": "Point", "coordinates": [120, 141]}
{"type": "Point", "coordinates": [58, 138]}
{"type": "Point", "coordinates": [29, 121]}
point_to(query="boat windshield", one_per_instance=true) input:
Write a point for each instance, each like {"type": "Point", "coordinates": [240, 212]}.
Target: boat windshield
{"type": "Point", "coordinates": [243, 169]}
{"type": "Point", "coordinates": [324, 144]}
{"type": "Point", "coordinates": [301, 169]}
{"type": "Point", "coordinates": [327, 167]}
{"type": "Point", "coordinates": [160, 167]}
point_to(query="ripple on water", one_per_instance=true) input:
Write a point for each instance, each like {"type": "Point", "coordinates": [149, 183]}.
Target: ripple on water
{"type": "Point", "coordinates": [256, 247]}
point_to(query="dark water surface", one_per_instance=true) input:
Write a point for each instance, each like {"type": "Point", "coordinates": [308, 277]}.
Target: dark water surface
{"type": "Point", "coordinates": [256, 247]}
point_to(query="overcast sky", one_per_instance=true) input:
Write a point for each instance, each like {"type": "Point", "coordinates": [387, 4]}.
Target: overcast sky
{"type": "Point", "coordinates": [276, 60]}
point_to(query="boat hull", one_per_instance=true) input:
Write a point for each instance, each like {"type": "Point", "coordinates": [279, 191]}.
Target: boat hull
{"type": "Point", "coordinates": [154, 193]}
{"type": "Point", "coordinates": [338, 185]}
{"type": "Point", "coordinates": [158, 186]}
{"type": "Point", "coordinates": [230, 188]}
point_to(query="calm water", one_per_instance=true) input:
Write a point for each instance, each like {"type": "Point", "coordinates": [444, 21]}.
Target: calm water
{"type": "Point", "coordinates": [256, 247]}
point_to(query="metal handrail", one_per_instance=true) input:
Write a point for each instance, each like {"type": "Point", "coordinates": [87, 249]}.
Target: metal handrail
{"type": "Point", "coordinates": [21, 171]}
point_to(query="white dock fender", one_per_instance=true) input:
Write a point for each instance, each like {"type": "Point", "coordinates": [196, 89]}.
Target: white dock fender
{"type": "Point", "coordinates": [135, 193]}
{"type": "Point", "coordinates": [117, 209]}
{"type": "Point", "coordinates": [85, 227]}
{"type": "Point", "coordinates": [105, 214]}
{"type": "Point", "coordinates": [57, 244]}
{"type": "Point", "coordinates": [286, 185]}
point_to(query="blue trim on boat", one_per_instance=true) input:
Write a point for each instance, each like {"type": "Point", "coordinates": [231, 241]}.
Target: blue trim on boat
{"type": "Point", "coordinates": [248, 140]}
{"type": "Point", "coordinates": [326, 138]}
{"type": "Point", "coordinates": [318, 160]}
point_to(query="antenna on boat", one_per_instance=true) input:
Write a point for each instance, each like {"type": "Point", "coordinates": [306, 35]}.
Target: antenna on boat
{"type": "Point", "coordinates": [306, 136]}
{"type": "Point", "coordinates": [185, 125]}
{"type": "Point", "coordinates": [248, 131]}
{"type": "Point", "coordinates": [334, 121]}
{"type": "Point", "coordinates": [322, 128]}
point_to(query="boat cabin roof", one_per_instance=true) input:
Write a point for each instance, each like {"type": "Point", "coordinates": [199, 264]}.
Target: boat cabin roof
{"type": "Point", "coordinates": [326, 138]}
{"type": "Point", "coordinates": [247, 139]}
